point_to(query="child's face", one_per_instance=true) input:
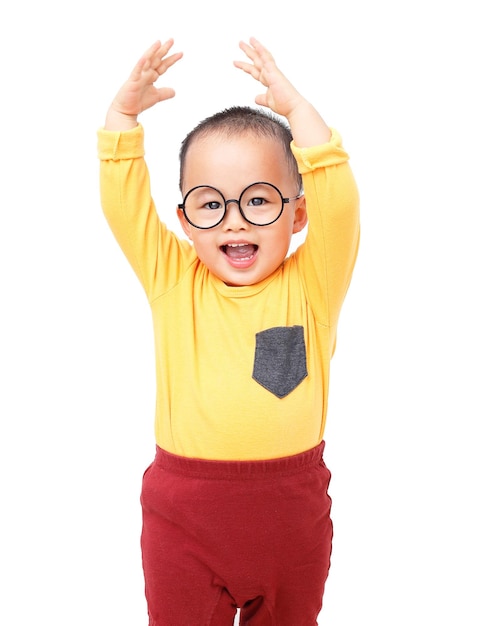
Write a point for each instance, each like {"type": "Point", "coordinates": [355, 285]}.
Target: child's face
{"type": "Point", "coordinates": [230, 164]}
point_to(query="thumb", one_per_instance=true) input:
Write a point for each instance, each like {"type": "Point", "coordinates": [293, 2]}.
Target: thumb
{"type": "Point", "coordinates": [261, 99]}
{"type": "Point", "coordinates": [165, 93]}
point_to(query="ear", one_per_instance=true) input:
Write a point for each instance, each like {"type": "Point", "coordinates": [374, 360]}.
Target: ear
{"type": "Point", "coordinates": [300, 215]}
{"type": "Point", "coordinates": [184, 224]}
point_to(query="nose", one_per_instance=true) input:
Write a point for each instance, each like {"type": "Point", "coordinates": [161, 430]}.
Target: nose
{"type": "Point", "coordinates": [233, 220]}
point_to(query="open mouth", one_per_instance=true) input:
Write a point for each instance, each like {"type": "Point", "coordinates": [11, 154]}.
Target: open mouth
{"type": "Point", "coordinates": [240, 251]}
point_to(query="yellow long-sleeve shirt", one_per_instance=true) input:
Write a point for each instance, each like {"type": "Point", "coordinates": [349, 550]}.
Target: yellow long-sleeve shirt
{"type": "Point", "coordinates": [242, 372]}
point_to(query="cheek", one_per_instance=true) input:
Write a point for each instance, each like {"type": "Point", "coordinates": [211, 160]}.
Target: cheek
{"type": "Point", "coordinates": [283, 236]}
{"type": "Point", "coordinates": [203, 244]}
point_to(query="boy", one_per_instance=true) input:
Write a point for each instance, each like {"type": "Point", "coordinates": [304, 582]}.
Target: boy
{"type": "Point", "coordinates": [235, 505]}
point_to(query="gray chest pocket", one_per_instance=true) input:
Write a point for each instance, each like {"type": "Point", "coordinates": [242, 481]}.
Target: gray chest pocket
{"type": "Point", "coordinates": [280, 359]}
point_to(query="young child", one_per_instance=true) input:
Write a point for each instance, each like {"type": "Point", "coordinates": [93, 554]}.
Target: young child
{"type": "Point", "coordinates": [235, 505]}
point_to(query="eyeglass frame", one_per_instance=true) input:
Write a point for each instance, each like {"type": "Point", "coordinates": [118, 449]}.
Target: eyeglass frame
{"type": "Point", "coordinates": [285, 201]}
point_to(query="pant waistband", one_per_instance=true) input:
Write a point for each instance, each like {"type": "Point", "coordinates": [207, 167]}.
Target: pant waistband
{"type": "Point", "coordinates": [205, 468]}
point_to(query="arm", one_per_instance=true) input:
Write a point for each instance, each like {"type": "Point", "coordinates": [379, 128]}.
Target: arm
{"type": "Point", "coordinates": [328, 256]}
{"type": "Point", "coordinates": [124, 178]}
{"type": "Point", "coordinates": [307, 126]}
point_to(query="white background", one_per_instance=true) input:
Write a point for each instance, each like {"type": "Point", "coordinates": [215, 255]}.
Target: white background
{"type": "Point", "coordinates": [406, 85]}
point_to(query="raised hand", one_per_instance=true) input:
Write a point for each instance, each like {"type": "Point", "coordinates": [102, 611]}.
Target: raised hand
{"type": "Point", "coordinates": [139, 92]}
{"type": "Point", "coordinates": [281, 96]}
{"type": "Point", "coordinates": [307, 126]}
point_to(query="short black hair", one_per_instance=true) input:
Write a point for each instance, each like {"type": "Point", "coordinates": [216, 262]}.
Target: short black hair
{"type": "Point", "coordinates": [239, 120]}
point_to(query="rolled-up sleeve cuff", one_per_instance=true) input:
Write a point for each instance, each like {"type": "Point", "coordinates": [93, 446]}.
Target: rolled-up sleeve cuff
{"type": "Point", "coordinates": [119, 145]}
{"type": "Point", "coordinates": [324, 155]}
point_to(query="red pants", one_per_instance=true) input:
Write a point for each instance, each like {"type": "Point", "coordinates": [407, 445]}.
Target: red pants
{"type": "Point", "coordinates": [218, 535]}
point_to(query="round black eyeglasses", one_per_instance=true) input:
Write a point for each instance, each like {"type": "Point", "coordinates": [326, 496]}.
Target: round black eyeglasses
{"type": "Point", "coordinates": [260, 204]}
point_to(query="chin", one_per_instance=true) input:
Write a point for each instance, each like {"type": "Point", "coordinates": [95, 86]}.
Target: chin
{"type": "Point", "coordinates": [237, 281]}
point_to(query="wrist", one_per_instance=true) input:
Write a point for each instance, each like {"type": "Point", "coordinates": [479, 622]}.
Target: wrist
{"type": "Point", "coordinates": [307, 126]}
{"type": "Point", "coordinates": [115, 120]}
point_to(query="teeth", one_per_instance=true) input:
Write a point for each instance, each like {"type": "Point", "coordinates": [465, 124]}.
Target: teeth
{"type": "Point", "coordinates": [236, 245]}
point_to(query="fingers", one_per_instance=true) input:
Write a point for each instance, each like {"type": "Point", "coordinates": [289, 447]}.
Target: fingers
{"type": "Point", "coordinates": [262, 62]}
{"type": "Point", "coordinates": [158, 59]}
{"type": "Point", "coordinates": [167, 62]}
{"type": "Point", "coordinates": [154, 61]}
{"type": "Point", "coordinates": [146, 60]}
{"type": "Point", "coordinates": [256, 52]}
